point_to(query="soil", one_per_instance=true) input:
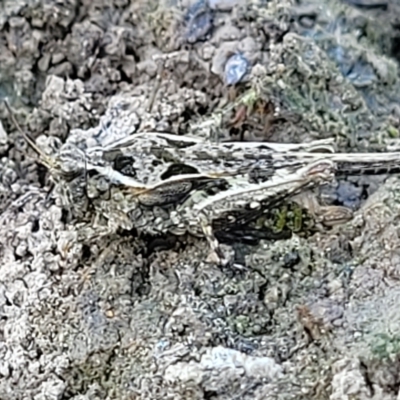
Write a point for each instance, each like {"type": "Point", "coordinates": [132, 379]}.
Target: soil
{"type": "Point", "coordinates": [122, 318]}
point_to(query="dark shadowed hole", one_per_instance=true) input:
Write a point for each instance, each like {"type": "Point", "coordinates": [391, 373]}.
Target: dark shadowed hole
{"type": "Point", "coordinates": [64, 216]}
{"type": "Point", "coordinates": [86, 253]}
{"type": "Point", "coordinates": [35, 225]}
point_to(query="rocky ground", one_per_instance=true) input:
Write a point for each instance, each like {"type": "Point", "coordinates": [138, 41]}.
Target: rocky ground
{"type": "Point", "coordinates": [301, 319]}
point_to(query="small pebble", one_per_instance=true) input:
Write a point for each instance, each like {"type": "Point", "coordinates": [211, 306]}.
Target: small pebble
{"type": "Point", "coordinates": [235, 69]}
{"type": "Point", "coordinates": [199, 22]}
{"type": "Point", "coordinates": [349, 195]}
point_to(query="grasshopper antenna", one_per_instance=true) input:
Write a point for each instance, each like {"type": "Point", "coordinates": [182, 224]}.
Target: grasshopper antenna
{"type": "Point", "coordinates": [42, 157]}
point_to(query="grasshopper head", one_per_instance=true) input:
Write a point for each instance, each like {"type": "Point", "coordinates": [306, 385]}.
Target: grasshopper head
{"type": "Point", "coordinates": [69, 163]}
{"type": "Point", "coordinates": [67, 170]}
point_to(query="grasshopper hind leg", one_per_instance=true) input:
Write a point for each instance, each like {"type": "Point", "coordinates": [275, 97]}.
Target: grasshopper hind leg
{"type": "Point", "coordinates": [216, 254]}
